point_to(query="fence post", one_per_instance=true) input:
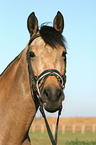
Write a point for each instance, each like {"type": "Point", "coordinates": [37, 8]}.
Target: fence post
{"type": "Point", "coordinates": [83, 129]}
{"type": "Point", "coordinates": [42, 128]}
{"type": "Point", "coordinates": [53, 129]}
{"type": "Point", "coordinates": [73, 128]}
{"type": "Point", "coordinates": [93, 128]}
{"type": "Point", "coordinates": [33, 128]}
{"type": "Point", "coordinates": [63, 129]}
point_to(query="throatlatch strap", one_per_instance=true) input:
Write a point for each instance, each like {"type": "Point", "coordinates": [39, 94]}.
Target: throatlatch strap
{"type": "Point", "coordinates": [53, 141]}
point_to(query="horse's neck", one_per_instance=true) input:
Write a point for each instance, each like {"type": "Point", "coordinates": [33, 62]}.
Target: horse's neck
{"type": "Point", "coordinates": [14, 81]}
{"type": "Point", "coordinates": [12, 73]}
{"type": "Point", "coordinates": [16, 102]}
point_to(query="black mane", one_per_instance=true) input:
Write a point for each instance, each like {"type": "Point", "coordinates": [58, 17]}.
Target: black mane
{"type": "Point", "coordinates": [52, 37]}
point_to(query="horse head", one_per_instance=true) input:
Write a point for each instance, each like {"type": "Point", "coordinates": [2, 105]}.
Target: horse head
{"type": "Point", "coordinates": [47, 54]}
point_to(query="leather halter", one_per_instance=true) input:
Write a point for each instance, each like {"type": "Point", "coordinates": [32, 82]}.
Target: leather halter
{"type": "Point", "coordinates": [35, 89]}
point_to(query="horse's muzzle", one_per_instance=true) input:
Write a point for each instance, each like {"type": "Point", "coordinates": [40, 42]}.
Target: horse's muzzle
{"type": "Point", "coordinates": [50, 84]}
{"type": "Point", "coordinates": [52, 98]}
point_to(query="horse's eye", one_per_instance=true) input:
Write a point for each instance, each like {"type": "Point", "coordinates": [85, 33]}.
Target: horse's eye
{"type": "Point", "coordinates": [32, 54]}
{"type": "Point", "coordinates": [64, 55]}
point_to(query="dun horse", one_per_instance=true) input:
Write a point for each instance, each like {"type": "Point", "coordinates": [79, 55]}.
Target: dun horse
{"type": "Point", "coordinates": [36, 75]}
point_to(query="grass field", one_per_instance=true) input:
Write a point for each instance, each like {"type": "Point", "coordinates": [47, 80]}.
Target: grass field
{"type": "Point", "coordinates": [68, 138]}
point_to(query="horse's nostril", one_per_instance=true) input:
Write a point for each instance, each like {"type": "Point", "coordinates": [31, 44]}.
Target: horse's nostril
{"type": "Point", "coordinates": [58, 93]}
{"type": "Point", "coordinates": [53, 94]}
{"type": "Point", "coordinates": [47, 92]}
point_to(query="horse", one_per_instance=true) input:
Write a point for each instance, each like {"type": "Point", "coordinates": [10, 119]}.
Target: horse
{"type": "Point", "coordinates": [37, 73]}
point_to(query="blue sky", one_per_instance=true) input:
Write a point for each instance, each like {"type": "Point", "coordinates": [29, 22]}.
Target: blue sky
{"type": "Point", "coordinates": [80, 33]}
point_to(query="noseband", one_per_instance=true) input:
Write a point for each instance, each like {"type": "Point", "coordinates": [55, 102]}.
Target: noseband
{"type": "Point", "coordinates": [37, 84]}
{"type": "Point", "coordinates": [44, 75]}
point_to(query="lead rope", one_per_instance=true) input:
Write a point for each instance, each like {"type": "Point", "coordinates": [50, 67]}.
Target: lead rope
{"type": "Point", "coordinates": [53, 141]}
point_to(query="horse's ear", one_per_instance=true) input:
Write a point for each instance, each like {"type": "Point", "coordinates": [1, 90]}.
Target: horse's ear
{"type": "Point", "coordinates": [58, 22]}
{"type": "Point", "coordinates": [32, 24]}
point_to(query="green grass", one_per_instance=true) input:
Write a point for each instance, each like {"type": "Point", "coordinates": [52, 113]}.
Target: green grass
{"type": "Point", "coordinates": [68, 138]}
{"type": "Point", "coordinates": [77, 142]}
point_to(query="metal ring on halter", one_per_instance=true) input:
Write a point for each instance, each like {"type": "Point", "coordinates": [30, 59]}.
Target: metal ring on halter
{"type": "Point", "coordinates": [47, 73]}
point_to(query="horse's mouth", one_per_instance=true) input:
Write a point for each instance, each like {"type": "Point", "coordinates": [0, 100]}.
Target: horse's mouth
{"type": "Point", "coordinates": [52, 106]}
{"type": "Point", "coordinates": [52, 98]}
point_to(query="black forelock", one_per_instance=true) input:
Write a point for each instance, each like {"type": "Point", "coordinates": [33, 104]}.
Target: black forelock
{"type": "Point", "coordinates": [52, 37]}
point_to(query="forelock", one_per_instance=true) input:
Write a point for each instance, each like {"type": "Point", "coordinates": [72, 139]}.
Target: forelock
{"type": "Point", "coordinates": [52, 37]}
